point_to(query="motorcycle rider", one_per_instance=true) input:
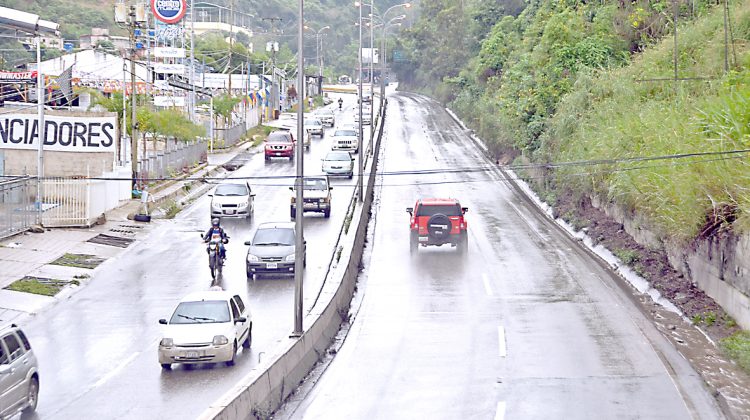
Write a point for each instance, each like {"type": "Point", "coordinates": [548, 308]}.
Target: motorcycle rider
{"type": "Point", "coordinates": [341, 102]}
{"type": "Point", "coordinates": [216, 229]}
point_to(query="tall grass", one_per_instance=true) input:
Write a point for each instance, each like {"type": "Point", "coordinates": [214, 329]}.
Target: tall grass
{"type": "Point", "coordinates": [613, 115]}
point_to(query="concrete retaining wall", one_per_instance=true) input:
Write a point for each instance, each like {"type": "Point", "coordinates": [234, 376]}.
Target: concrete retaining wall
{"type": "Point", "coordinates": [720, 265]}
{"type": "Point", "coordinates": [266, 387]}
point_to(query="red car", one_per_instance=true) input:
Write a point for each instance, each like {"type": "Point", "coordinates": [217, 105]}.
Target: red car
{"type": "Point", "coordinates": [438, 221]}
{"type": "Point", "coordinates": [280, 144]}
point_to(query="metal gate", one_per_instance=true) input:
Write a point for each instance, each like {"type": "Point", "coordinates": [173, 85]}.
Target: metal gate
{"type": "Point", "coordinates": [17, 212]}
{"type": "Point", "coordinates": [66, 202]}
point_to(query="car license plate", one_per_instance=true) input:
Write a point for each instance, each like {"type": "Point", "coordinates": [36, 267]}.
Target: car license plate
{"type": "Point", "coordinates": [272, 266]}
{"type": "Point", "coordinates": [229, 211]}
{"type": "Point", "coordinates": [192, 355]}
{"type": "Point", "coordinates": [423, 239]}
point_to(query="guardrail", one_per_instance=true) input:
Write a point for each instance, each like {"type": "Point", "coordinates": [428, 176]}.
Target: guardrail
{"type": "Point", "coordinates": [266, 387]}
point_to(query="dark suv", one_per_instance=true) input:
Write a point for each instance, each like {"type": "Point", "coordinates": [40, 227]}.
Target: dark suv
{"type": "Point", "coordinates": [438, 221]}
{"type": "Point", "coordinates": [19, 377]}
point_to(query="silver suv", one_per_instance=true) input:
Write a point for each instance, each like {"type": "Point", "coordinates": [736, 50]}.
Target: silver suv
{"type": "Point", "coordinates": [19, 376]}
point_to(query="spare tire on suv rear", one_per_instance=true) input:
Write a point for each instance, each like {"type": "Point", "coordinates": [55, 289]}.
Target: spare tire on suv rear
{"type": "Point", "coordinates": [439, 227]}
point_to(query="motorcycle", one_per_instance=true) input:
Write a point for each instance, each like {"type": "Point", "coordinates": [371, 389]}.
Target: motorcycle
{"type": "Point", "coordinates": [341, 102]}
{"type": "Point", "coordinates": [215, 262]}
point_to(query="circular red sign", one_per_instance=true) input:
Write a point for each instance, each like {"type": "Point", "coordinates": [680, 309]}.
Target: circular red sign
{"type": "Point", "coordinates": [169, 11]}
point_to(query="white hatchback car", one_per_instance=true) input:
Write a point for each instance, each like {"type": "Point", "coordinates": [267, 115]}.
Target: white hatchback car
{"type": "Point", "coordinates": [206, 327]}
{"type": "Point", "coordinates": [232, 198]}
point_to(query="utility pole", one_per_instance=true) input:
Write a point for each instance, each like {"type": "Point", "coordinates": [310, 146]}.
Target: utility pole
{"type": "Point", "coordinates": [361, 195]}
{"type": "Point", "coordinates": [132, 17]}
{"type": "Point", "coordinates": [41, 128]}
{"type": "Point", "coordinates": [299, 258]}
{"type": "Point", "coordinates": [273, 47]}
{"type": "Point", "coordinates": [192, 62]}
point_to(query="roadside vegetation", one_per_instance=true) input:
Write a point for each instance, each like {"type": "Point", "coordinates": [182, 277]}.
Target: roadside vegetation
{"type": "Point", "coordinates": [40, 286]}
{"type": "Point", "coordinates": [564, 82]}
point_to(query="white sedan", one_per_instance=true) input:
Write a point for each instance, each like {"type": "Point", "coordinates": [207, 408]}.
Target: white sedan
{"type": "Point", "coordinates": [339, 163]}
{"type": "Point", "coordinates": [206, 327]}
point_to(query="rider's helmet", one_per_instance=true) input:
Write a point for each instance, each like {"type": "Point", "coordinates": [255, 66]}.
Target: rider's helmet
{"type": "Point", "coordinates": [215, 222]}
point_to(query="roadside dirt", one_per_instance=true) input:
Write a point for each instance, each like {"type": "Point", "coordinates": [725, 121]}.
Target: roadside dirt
{"type": "Point", "coordinates": [728, 382]}
{"type": "Point", "coordinates": [650, 264]}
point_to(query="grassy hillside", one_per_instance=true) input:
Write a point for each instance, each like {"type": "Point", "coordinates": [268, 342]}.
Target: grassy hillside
{"type": "Point", "coordinates": [612, 115]}
{"type": "Point", "coordinates": [559, 83]}
{"type": "Point", "coordinates": [76, 17]}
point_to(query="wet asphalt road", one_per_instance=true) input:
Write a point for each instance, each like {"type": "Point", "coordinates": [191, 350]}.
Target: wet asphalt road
{"type": "Point", "coordinates": [97, 351]}
{"type": "Point", "coordinates": [525, 326]}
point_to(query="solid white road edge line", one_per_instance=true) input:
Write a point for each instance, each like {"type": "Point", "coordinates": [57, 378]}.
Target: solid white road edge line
{"type": "Point", "coordinates": [500, 413]}
{"type": "Point", "coordinates": [487, 287]}
{"type": "Point", "coordinates": [501, 341]}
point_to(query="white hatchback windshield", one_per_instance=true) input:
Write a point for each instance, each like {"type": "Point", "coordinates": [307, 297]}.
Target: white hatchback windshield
{"type": "Point", "coordinates": [201, 312]}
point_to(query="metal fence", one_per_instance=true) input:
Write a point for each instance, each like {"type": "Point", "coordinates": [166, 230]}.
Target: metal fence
{"type": "Point", "coordinates": [228, 137]}
{"type": "Point", "coordinates": [17, 212]}
{"type": "Point", "coordinates": [168, 163]}
{"type": "Point", "coordinates": [66, 202]}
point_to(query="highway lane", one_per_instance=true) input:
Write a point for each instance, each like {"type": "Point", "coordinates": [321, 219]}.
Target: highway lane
{"type": "Point", "coordinates": [97, 350]}
{"type": "Point", "coordinates": [524, 326]}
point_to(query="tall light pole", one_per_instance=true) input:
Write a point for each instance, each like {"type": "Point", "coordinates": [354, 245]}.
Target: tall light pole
{"type": "Point", "coordinates": [318, 47]}
{"type": "Point", "coordinates": [383, 63]}
{"type": "Point", "coordinates": [359, 105]}
{"type": "Point", "coordinates": [192, 62]}
{"type": "Point", "coordinates": [385, 24]}
{"type": "Point", "coordinates": [299, 248]}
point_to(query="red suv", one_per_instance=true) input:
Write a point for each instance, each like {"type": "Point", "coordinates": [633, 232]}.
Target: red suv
{"type": "Point", "coordinates": [280, 144]}
{"type": "Point", "coordinates": [438, 221]}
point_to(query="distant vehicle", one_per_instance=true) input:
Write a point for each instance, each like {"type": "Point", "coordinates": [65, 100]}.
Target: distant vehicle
{"type": "Point", "coordinates": [272, 250]}
{"type": "Point", "coordinates": [345, 80]}
{"type": "Point", "coordinates": [314, 126]}
{"type": "Point", "coordinates": [316, 196]}
{"type": "Point", "coordinates": [350, 126]}
{"type": "Point", "coordinates": [280, 144]}
{"type": "Point", "coordinates": [366, 98]}
{"type": "Point", "coordinates": [206, 327]}
{"type": "Point", "coordinates": [326, 116]}
{"type": "Point", "coordinates": [232, 198]}
{"type": "Point", "coordinates": [438, 221]}
{"type": "Point", "coordinates": [345, 139]}
{"type": "Point", "coordinates": [366, 118]}
{"type": "Point", "coordinates": [339, 163]}
{"type": "Point", "coordinates": [19, 373]}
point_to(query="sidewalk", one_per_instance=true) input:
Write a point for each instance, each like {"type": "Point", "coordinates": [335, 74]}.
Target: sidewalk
{"type": "Point", "coordinates": [38, 255]}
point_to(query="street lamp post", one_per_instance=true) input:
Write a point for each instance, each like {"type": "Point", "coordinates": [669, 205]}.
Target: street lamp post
{"type": "Point", "coordinates": [318, 47]}
{"type": "Point", "coordinates": [359, 105]}
{"type": "Point", "coordinates": [383, 63]}
{"type": "Point", "coordinates": [299, 249]}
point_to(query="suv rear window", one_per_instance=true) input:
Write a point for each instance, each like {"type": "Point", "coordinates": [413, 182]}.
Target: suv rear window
{"type": "Point", "coordinates": [447, 209]}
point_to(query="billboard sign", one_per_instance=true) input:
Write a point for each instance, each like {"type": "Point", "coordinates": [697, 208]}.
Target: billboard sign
{"type": "Point", "coordinates": [63, 134]}
{"type": "Point", "coordinates": [169, 11]}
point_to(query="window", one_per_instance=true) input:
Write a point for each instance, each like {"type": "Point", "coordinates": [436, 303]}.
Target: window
{"type": "Point", "coordinates": [446, 209]}
{"type": "Point", "coordinates": [3, 355]}
{"type": "Point", "coordinates": [274, 236]}
{"type": "Point", "coordinates": [231, 190]}
{"type": "Point", "coordinates": [240, 305]}
{"type": "Point", "coordinates": [201, 312]}
{"type": "Point", "coordinates": [14, 347]}
{"type": "Point", "coordinates": [235, 311]}
{"type": "Point", "coordinates": [24, 340]}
